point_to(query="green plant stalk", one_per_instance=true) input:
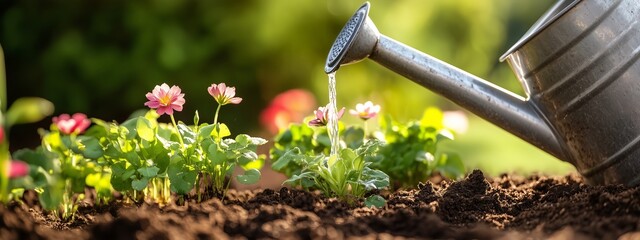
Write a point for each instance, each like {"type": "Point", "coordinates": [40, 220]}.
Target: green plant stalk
{"type": "Point", "coordinates": [67, 202]}
{"type": "Point", "coordinates": [215, 118]}
{"type": "Point", "coordinates": [197, 187]}
{"type": "Point", "coordinates": [173, 120]}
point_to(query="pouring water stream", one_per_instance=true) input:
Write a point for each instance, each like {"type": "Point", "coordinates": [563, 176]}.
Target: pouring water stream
{"type": "Point", "coordinates": [332, 115]}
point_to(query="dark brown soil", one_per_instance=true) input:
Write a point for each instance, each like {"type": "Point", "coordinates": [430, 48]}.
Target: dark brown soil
{"type": "Point", "coordinates": [508, 207]}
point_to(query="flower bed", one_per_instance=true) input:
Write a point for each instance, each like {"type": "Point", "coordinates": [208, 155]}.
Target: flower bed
{"type": "Point", "coordinates": [508, 207]}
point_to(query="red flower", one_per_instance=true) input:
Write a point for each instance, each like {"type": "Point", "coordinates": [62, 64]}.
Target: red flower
{"type": "Point", "coordinates": [75, 124]}
{"type": "Point", "coordinates": [287, 107]}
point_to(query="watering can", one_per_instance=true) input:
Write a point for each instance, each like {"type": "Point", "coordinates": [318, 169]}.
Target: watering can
{"type": "Point", "coordinates": [578, 65]}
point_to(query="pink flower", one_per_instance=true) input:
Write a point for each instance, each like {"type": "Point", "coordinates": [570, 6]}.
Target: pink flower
{"type": "Point", "coordinates": [75, 124]}
{"type": "Point", "coordinates": [223, 94]}
{"type": "Point", "coordinates": [1, 135]}
{"type": "Point", "coordinates": [165, 99]}
{"type": "Point", "coordinates": [322, 116]}
{"type": "Point", "coordinates": [17, 169]}
{"type": "Point", "coordinates": [365, 111]}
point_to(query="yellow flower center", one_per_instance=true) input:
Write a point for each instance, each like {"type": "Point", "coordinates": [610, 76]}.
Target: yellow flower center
{"type": "Point", "coordinates": [165, 100]}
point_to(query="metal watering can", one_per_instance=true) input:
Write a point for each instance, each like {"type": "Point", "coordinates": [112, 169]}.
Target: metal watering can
{"type": "Point", "coordinates": [578, 65]}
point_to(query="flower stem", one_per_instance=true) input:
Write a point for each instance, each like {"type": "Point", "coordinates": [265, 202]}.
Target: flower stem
{"type": "Point", "coordinates": [215, 119]}
{"type": "Point", "coordinates": [173, 120]}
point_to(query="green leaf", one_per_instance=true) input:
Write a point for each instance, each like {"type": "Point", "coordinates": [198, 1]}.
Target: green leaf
{"type": "Point", "coordinates": [374, 179]}
{"type": "Point", "coordinates": [284, 161]}
{"type": "Point", "coordinates": [249, 177]}
{"type": "Point", "coordinates": [243, 139]}
{"type": "Point", "coordinates": [298, 177]}
{"type": "Point", "coordinates": [149, 172]}
{"type": "Point", "coordinates": [51, 196]}
{"type": "Point", "coordinates": [90, 147]}
{"type": "Point", "coordinates": [145, 129]}
{"type": "Point", "coordinates": [121, 176]}
{"type": "Point", "coordinates": [205, 131]}
{"type": "Point", "coordinates": [220, 131]}
{"type": "Point", "coordinates": [216, 155]}
{"type": "Point", "coordinates": [188, 135]}
{"type": "Point", "coordinates": [251, 164]}
{"type": "Point", "coordinates": [445, 134]}
{"type": "Point", "coordinates": [182, 179]}
{"type": "Point", "coordinates": [162, 162]}
{"type": "Point", "coordinates": [28, 110]}
{"type": "Point", "coordinates": [130, 126]}
{"type": "Point", "coordinates": [140, 184]}
{"type": "Point", "coordinates": [375, 201]}
{"type": "Point", "coordinates": [167, 143]}
{"type": "Point", "coordinates": [258, 141]}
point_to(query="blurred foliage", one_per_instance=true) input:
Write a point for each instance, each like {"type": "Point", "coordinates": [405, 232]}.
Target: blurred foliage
{"type": "Point", "coordinates": [100, 57]}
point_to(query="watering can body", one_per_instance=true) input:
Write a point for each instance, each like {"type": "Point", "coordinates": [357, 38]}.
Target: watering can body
{"type": "Point", "coordinates": [578, 66]}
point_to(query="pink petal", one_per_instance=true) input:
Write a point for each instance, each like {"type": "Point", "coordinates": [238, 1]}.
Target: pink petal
{"type": "Point", "coordinates": [151, 97]}
{"type": "Point", "coordinates": [62, 117]}
{"type": "Point", "coordinates": [340, 113]}
{"type": "Point", "coordinates": [174, 91]}
{"type": "Point", "coordinates": [176, 107]}
{"type": "Point", "coordinates": [316, 122]}
{"type": "Point", "coordinates": [213, 90]}
{"type": "Point", "coordinates": [319, 113]}
{"type": "Point", "coordinates": [222, 88]}
{"type": "Point", "coordinates": [354, 112]}
{"type": "Point", "coordinates": [230, 92]}
{"type": "Point", "coordinates": [66, 126]}
{"type": "Point", "coordinates": [152, 104]}
{"type": "Point", "coordinates": [82, 126]}
{"type": "Point", "coordinates": [235, 100]}
{"type": "Point", "coordinates": [161, 110]}
{"type": "Point", "coordinates": [165, 88]}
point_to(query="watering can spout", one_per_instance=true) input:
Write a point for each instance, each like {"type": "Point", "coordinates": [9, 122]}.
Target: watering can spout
{"type": "Point", "coordinates": [360, 39]}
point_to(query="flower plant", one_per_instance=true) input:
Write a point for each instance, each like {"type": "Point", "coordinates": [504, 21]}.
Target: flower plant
{"type": "Point", "coordinates": [141, 158]}
{"type": "Point", "coordinates": [160, 158]}
{"type": "Point", "coordinates": [410, 154]}
{"type": "Point", "coordinates": [302, 153]}
{"type": "Point", "coordinates": [406, 152]}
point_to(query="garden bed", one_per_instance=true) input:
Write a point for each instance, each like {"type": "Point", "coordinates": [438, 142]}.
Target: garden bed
{"type": "Point", "coordinates": [475, 207]}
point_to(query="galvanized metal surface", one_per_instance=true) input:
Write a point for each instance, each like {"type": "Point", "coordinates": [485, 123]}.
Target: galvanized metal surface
{"type": "Point", "coordinates": [580, 71]}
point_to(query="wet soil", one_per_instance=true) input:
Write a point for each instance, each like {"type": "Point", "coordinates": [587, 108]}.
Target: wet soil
{"type": "Point", "coordinates": [507, 207]}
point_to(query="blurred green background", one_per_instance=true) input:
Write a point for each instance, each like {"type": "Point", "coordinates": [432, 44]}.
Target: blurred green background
{"type": "Point", "coordinates": [100, 57]}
